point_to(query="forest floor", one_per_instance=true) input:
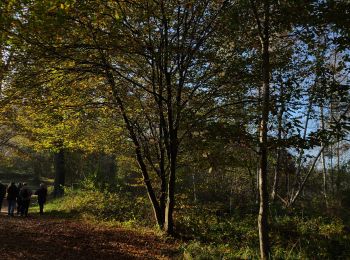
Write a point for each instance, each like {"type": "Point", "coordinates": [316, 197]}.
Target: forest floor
{"type": "Point", "coordinates": [52, 237]}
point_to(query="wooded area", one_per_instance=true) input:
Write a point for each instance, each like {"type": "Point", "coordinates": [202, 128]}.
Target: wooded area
{"type": "Point", "coordinates": [224, 123]}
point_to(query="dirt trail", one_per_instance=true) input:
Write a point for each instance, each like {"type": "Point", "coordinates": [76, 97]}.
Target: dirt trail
{"type": "Point", "coordinates": [47, 237]}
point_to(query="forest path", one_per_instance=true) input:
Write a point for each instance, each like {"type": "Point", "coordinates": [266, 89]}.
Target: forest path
{"type": "Point", "coordinates": [48, 237]}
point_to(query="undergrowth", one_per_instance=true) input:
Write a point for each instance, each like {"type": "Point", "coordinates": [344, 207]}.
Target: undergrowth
{"type": "Point", "coordinates": [235, 236]}
{"type": "Point", "coordinates": [209, 235]}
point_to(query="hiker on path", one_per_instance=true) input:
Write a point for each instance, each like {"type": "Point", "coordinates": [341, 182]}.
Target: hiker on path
{"type": "Point", "coordinates": [42, 194]}
{"type": "Point", "coordinates": [25, 194]}
{"type": "Point", "coordinates": [12, 193]}
{"type": "Point", "coordinates": [19, 199]}
{"type": "Point", "coordinates": [2, 193]}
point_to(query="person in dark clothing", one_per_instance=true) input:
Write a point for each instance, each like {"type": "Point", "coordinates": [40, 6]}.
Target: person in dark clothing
{"type": "Point", "coordinates": [42, 194]}
{"type": "Point", "coordinates": [19, 199]}
{"type": "Point", "coordinates": [12, 193]}
{"type": "Point", "coordinates": [2, 193]}
{"type": "Point", "coordinates": [25, 194]}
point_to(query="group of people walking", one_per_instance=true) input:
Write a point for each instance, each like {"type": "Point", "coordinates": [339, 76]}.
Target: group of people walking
{"type": "Point", "coordinates": [18, 197]}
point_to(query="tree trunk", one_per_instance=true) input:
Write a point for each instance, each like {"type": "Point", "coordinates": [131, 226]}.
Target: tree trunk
{"type": "Point", "coordinates": [171, 118]}
{"type": "Point", "coordinates": [332, 116]}
{"type": "Point", "coordinates": [173, 141]}
{"type": "Point", "coordinates": [150, 192]}
{"type": "Point", "coordinates": [332, 169]}
{"type": "Point", "coordinates": [278, 155]}
{"type": "Point", "coordinates": [169, 221]}
{"type": "Point", "coordinates": [298, 177]}
{"type": "Point", "coordinates": [276, 176]}
{"type": "Point", "coordinates": [163, 134]}
{"type": "Point", "coordinates": [263, 150]}
{"type": "Point", "coordinates": [323, 158]}
{"type": "Point", "coordinates": [302, 185]}
{"type": "Point", "coordinates": [337, 182]}
{"type": "Point", "coordinates": [263, 171]}
{"type": "Point", "coordinates": [263, 207]}
{"type": "Point", "coordinates": [159, 216]}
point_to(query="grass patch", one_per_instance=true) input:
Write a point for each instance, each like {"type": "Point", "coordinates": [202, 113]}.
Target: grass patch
{"type": "Point", "coordinates": [98, 206]}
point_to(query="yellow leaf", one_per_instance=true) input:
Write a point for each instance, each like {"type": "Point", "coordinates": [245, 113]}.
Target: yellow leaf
{"type": "Point", "coordinates": [116, 15]}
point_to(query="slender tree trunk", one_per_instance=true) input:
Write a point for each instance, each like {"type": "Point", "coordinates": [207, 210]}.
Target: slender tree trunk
{"type": "Point", "coordinates": [172, 154]}
{"type": "Point", "coordinates": [150, 192]}
{"type": "Point", "coordinates": [263, 171]}
{"type": "Point", "coordinates": [337, 182]}
{"type": "Point", "coordinates": [278, 155]}
{"type": "Point", "coordinates": [298, 179]}
{"type": "Point", "coordinates": [276, 176]}
{"type": "Point", "coordinates": [324, 176]}
{"type": "Point", "coordinates": [323, 158]}
{"type": "Point", "coordinates": [331, 149]}
{"type": "Point", "coordinates": [171, 121]}
{"type": "Point", "coordinates": [336, 99]}
{"type": "Point", "coordinates": [163, 195]}
{"type": "Point", "coordinates": [302, 185]}
{"type": "Point", "coordinates": [332, 169]}
{"type": "Point", "coordinates": [257, 181]}
{"type": "Point", "coordinates": [263, 166]}
{"type": "Point", "coordinates": [169, 221]}
{"type": "Point", "coordinates": [159, 216]}
{"type": "Point", "coordinates": [162, 152]}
